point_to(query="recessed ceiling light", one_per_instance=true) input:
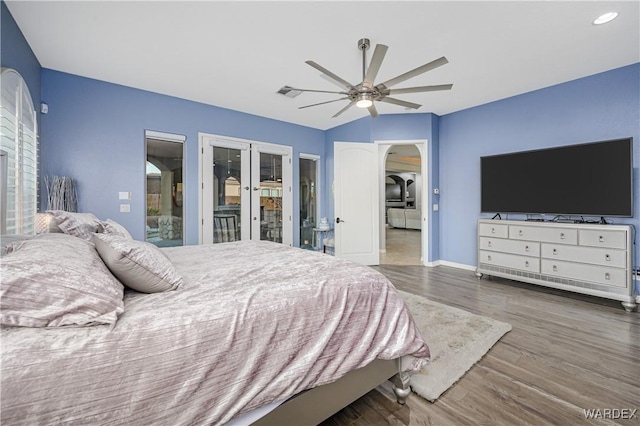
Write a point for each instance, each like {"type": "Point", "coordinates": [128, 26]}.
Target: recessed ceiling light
{"type": "Point", "coordinates": [607, 17]}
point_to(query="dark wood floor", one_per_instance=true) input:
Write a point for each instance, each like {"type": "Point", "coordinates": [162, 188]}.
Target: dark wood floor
{"type": "Point", "coordinates": [566, 353]}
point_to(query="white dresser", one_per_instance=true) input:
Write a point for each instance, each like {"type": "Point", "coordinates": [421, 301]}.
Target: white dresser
{"type": "Point", "coordinates": [584, 258]}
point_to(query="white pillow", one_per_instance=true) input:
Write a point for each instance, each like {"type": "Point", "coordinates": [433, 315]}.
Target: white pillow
{"type": "Point", "coordinates": [137, 264]}
{"type": "Point", "coordinates": [45, 223]}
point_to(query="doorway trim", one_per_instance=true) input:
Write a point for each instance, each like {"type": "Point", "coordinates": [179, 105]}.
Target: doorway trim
{"type": "Point", "coordinates": [423, 148]}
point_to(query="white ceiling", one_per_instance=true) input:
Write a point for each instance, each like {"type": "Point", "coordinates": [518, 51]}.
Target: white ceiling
{"type": "Point", "coordinates": [238, 54]}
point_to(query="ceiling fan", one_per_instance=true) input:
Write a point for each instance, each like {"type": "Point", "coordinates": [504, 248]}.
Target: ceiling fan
{"type": "Point", "coordinates": [365, 93]}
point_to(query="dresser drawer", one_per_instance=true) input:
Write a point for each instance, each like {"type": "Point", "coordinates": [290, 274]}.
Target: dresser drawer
{"type": "Point", "coordinates": [493, 230]}
{"type": "Point", "coordinates": [522, 263]}
{"type": "Point", "coordinates": [544, 234]}
{"type": "Point", "coordinates": [597, 256]}
{"type": "Point", "coordinates": [586, 273]}
{"type": "Point", "coordinates": [526, 248]}
{"type": "Point", "coordinates": [599, 238]}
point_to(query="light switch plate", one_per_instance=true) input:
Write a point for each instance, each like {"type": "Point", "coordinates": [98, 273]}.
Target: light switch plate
{"type": "Point", "coordinates": [124, 195]}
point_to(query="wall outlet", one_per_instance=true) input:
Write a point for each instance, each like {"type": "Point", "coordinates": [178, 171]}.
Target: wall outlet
{"type": "Point", "coordinates": [125, 208]}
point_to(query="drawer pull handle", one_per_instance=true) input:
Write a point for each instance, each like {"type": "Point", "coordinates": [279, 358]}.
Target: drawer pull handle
{"type": "Point", "coordinates": [489, 243]}
{"type": "Point", "coordinates": [555, 268]}
{"type": "Point", "coordinates": [493, 230]}
{"type": "Point", "coordinates": [526, 248]}
{"type": "Point", "coordinates": [601, 239]}
{"type": "Point", "coordinates": [607, 257]}
{"type": "Point", "coordinates": [520, 232]}
{"type": "Point", "coordinates": [607, 276]}
{"type": "Point", "coordinates": [562, 235]}
{"type": "Point", "coordinates": [555, 252]}
{"type": "Point", "coordinates": [489, 258]}
{"type": "Point", "coordinates": [526, 264]}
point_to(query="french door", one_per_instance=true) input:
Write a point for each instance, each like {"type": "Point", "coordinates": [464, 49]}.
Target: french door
{"type": "Point", "coordinates": [246, 190]}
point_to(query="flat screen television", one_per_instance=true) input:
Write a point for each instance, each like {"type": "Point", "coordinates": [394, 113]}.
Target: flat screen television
{"type": "Point", "coordinates": [393, 192]}
{"type": "Point", "coordinates": [593, 179]}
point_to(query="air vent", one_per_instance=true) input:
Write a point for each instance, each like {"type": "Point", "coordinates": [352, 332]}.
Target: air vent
{"type": "Point", "coordinates": [289, 92]}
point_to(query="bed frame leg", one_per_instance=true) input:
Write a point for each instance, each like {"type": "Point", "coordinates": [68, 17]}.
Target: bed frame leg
{"type": "Point", "coordinates": [401, 387]}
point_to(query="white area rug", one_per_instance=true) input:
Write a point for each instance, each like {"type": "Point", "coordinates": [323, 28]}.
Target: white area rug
{"type": "Point", "coordinates": [457, 340]}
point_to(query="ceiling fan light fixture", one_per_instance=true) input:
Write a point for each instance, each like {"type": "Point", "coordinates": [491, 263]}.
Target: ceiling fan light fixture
{"type": "Point", "coordinates": [365, 100]}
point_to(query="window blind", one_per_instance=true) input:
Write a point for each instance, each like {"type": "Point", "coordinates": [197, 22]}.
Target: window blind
{"type": "Point", "coordinates": [19, 146]}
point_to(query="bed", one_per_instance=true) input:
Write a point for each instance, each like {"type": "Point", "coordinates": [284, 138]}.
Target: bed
{"type": "Point", "coordinates": [242, 326]}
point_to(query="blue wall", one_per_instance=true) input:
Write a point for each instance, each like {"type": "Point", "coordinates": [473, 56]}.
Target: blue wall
{"type": "Point", "coordinates": [600, 107]}
{"type": "Point", "coordinates": [94, 132]}
{"type": "Point", "coordinates": [16, 53]}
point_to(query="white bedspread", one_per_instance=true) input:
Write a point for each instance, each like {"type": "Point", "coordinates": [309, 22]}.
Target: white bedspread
{"type": "Point", "coordinates": [253, 322]}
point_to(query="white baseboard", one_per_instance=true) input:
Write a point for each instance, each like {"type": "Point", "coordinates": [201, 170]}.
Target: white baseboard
{"type": "Point", "coordinates": [455, 265]}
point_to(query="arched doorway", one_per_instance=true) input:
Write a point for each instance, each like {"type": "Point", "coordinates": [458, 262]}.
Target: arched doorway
{"type": "Point", "coordinates": [403, 204]}
{"type": "Point", "coordinates": [418, 198]}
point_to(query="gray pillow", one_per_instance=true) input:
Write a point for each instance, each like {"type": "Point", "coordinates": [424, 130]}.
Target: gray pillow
{"type": "Point", "coordinates": [137, 264]}
{"type": "Point", "coordinates": [81, 225]}
{"type": "Point", "coordinates": [112, 227]}
{"type": "Point", "coordinates": [53, 280]}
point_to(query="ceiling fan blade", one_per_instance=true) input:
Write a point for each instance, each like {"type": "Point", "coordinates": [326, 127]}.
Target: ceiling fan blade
{"type": "Point", "coordinates": [318, 91]}
{"type": "Point", "coordinates": [373, 111]}
{"type": "Point", "coordinates": [415, 72]}
{"type": "Point", "coordinates": [374, 65]}
{"type": "Point", "coordinates": [399, 102]}
{"type": "Point", "coordinates": [420, 89]}
{"type": "Point", "coordinates": [323, 70]}
{"type": "Point", "coordinates": [332, 81]}
{"type": "Point", "coordinates": [352, 103]}
{"type": "Point", "coordinates": [322, 103]}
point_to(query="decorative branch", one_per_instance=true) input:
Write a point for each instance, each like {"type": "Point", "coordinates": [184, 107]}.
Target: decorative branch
{"type": "Point", "coordinates": [62, 194]}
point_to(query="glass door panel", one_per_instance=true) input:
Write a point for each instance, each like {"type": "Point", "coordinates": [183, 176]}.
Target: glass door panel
{"type": "Point", "coordinates": [227, 195]}
{"type": "Point", "coordinates": [164, 192]}
{"type": "Point", "coordinates": [270, 192]}
{"type": "Point", "coordinates": [308, 201]}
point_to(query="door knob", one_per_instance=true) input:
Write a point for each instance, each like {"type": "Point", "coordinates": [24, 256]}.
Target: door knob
{"type": "Point", "coordinates": [246, 188]}
{"type": "Point", "coordinates": [338, 220]}
{"type": "Point", "coordinates": [255, 188]}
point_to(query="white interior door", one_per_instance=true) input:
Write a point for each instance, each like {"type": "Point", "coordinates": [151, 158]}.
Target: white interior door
{"type": "Point", "coordinates": [246, 191]}
{"type": "Point", "coordinates": [356, 202]}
